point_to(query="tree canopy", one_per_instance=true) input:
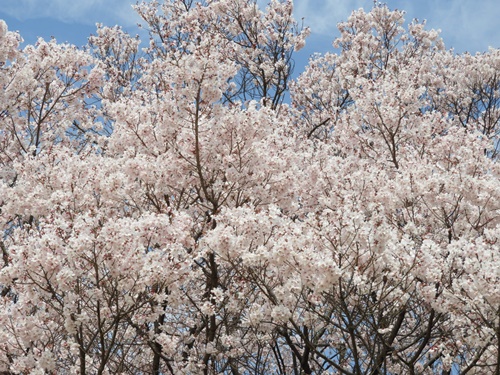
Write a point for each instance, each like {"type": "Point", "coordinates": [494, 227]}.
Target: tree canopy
{"type": "Point", "coordinates": [165, 209]}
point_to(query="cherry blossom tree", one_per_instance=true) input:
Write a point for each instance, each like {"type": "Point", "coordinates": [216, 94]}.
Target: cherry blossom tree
{"type": "Point", "coordinates": [398, 132]}
{"type": "Point", "coordinates": [165, 212]}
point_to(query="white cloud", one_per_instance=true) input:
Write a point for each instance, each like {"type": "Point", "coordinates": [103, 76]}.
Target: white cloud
{"type": "Point", "coordinates": [466, 24]}
{"type": "Point", "coordinates": [324, 15]}
{"type": "Point", "coordinates": [74, 11]}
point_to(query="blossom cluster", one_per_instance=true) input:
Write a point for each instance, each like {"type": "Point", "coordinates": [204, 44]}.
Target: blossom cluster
{"type": "Point", "coordinates": [163, 211]}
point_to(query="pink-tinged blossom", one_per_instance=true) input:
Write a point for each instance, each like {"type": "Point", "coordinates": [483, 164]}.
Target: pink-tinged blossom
{"type": "Point", "coordinates": [164, 212]}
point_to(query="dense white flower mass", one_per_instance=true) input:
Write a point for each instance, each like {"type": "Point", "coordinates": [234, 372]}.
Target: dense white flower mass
{"type": "Point", "coordinates": [164, 210]}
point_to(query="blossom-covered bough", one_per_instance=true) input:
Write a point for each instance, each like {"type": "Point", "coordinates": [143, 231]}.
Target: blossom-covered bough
{"type": "Point", "coordinates": [164, 212]}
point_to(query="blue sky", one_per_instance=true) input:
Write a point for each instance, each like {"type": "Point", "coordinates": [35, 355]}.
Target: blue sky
{"type": "Point", "coordinates": [467, 25]}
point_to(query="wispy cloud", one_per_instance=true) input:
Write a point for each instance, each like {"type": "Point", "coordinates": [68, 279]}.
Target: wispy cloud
{"type": "Point", "coordinates": [75, 11]}
{"type": "Point", "coordinates": [466, 24]}
{"type": "Point", "coordinates": [471, 25]}
{"type": "Point", "coordinates": [324, 15]}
